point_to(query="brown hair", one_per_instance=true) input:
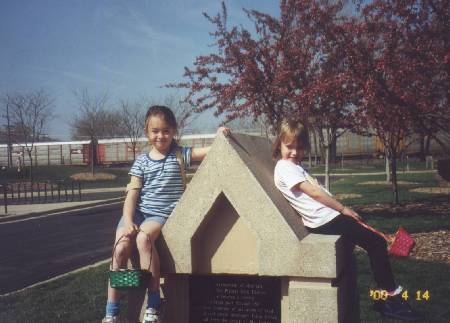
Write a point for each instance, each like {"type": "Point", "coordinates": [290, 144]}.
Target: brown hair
{"type": "Point", "coordinates": [166, 113]}
{"type": "Point", "coordinates": [290, 129]}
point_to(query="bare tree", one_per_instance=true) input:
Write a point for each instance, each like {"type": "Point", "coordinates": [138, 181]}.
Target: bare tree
{"type": "Point", "coordinates": [113, 125]}
{"type": "Point", "coordinates": [94, 121]}
{"type": "Point", "coordinates": [133, 115]}
{"type": "Point", "coordinates": [88, 121]}
{"type": "Point", "coordinates": [30, 113]}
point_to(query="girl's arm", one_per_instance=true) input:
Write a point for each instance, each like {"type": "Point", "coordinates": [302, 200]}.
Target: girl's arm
{"type": "Point", "coordinates": [129, 206]}
{"type": "Point", "coordinates": [321, 196]}
{"type": "Point", "coordinates": [198, 154]}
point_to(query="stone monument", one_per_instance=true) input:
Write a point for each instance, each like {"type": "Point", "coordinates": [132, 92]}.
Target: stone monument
{"type": "Point", "coordinates": [234, 250]}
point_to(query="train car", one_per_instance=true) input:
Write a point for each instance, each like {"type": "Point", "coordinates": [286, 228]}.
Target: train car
{"type": "Point", "coordinates": [47, 153]}
{"type": "Point", "coordinates": [120, 151]}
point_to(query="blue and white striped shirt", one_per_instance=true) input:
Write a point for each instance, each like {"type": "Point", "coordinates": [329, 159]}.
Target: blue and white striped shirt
{"type": "Point", "coordinates": [162, 184]}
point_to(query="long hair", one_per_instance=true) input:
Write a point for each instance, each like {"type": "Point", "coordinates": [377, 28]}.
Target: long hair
{"type": "Point", "coordinates": [290, 130]}
{"type": "Point", "coordinates": [168, 116]}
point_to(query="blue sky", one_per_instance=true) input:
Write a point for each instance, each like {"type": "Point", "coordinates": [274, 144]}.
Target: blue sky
{"type": "Point", "coordinates": [127, 48]}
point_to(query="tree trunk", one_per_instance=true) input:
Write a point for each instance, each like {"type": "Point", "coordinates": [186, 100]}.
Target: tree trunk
{"type": "Point", "coordinates": [333, 147]}
{"type": "Point", "coordinates": [30, 155]}
{"type": "Point", "coordinates": [386, 161]}
{"type": "Point", "coordinates": [10, 150]}
{"type": "Point", "coordinates": [315, 147]}
{"type": "Point", "coordinates": [10, 161]}
{"type": "Point", "coordinates": [322, 145]}
{"type": "Point", "coordinates": [327, 166]}
{"type": "Point", "coordinates": [93, 156]}
{"type": "Point", "coordinates": [427, 145]}
{"type": "Point", "coordinates": [394, 177]}
{"type": "Point", "coordinates": [422, 148]}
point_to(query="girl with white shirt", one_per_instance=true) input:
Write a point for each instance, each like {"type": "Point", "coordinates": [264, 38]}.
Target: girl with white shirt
{"type": "Point", "coordinates": [323, 214]}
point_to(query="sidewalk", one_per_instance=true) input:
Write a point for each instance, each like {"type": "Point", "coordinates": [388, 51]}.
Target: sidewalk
{"type": "Point", "coordinates": [91, 198]}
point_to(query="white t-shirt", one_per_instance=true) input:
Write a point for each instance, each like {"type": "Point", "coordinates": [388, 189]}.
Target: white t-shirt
{"type": "Point", "coordinates": [286, 176]}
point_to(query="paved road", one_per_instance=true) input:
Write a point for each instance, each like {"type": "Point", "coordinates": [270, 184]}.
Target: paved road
{"type": "Point", "coordinates": [38, 249]}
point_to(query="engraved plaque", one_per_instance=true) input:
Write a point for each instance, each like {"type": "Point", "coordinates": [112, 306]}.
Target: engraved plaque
{"type": "Point", "coordinates": [234, 299]}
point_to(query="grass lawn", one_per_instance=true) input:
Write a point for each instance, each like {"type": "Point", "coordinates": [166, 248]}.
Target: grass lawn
{"type": "Point", "coordinates": [363, 166]}
{"type": "Point", "coordinates": [414, 276]}
{"type": "Point", "coordinates": [374, 190]}
{"type": "Point", "coordinates": [79, 297]}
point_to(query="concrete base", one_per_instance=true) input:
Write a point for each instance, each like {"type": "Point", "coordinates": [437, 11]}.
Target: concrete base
{"type": "Point", "coordinates": [303, 299]}
{"type": "Point", "coordinates": [312, 301]}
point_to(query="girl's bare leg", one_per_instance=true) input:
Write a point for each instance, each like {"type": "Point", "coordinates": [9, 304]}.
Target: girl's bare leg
{"type": "Point", "coordinates": [121, 256]}
{"type": "Point", "coordinates": [146, 247]}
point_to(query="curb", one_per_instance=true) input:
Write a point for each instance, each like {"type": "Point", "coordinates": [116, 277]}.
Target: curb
{"type": "Point", "coordinates": [87, 208]}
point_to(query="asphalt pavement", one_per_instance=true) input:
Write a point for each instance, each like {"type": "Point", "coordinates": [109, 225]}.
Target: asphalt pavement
{"type": "Point", "coordinates": [42, 241]}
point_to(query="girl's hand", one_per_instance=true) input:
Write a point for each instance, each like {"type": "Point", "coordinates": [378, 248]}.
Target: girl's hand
{"type": "Point", "coordinates": [349, 212]}
{"type": "Point", "coordinates": [224, 130]}
{"type": "Point", "coordinates": [130, 228]}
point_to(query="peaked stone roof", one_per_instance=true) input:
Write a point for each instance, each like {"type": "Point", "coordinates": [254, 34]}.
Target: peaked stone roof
{"type": "Point", "coordinates": [233, 204]}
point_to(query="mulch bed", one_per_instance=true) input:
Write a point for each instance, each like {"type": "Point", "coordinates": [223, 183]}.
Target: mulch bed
{"type": "Point", "coordinates": [88, 176]}
{"type": "Point", "coordinates": [430, 246]}
{"type": "Point", "coordinates": [410, 209]}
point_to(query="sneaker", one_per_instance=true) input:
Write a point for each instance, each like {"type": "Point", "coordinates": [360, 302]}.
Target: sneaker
{"type": "Point", "coordinates": [395, 307]}
{"type": "Point", "coordinates": [111, 319]}
{"type": "Point", "coordinates": [150, 316]}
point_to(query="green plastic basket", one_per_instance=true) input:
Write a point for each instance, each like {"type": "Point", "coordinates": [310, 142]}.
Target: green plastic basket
{"type": "Point", "coordinates": [128, 278]}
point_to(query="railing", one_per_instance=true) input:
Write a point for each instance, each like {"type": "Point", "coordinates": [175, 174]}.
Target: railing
{"type": "Point", "coordinates": [39, 192]}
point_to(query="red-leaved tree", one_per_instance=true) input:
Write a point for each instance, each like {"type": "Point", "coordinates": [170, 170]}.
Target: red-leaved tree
{"type": "Point", "coordinates": [384, 72]}
{"type": "Point", "coordinates": [400, 59]}
{"type": "Point", "coordinates": [290, 67]}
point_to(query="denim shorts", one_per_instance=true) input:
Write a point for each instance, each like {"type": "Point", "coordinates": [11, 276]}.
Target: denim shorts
{"type": "Point", "coordinates": [140, 218]}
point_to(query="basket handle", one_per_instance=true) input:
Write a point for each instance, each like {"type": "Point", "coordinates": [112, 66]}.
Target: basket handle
{"type": "Point", "coordinates": [123, 236]}
{"type": "Point", "coordinates": [385, 237]}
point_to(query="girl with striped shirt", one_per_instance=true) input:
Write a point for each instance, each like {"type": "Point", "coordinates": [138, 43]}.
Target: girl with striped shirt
{"type": "Point", "coordinates": [155, 187]}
